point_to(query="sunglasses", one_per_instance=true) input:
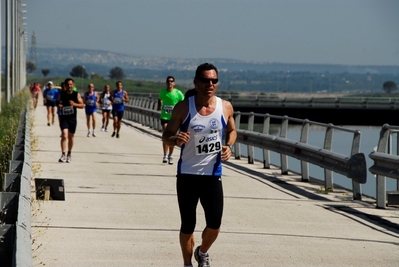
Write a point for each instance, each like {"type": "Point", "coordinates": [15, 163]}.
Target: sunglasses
{"type": "Point", "coordinates": [207, 80]}
{"type": "Point", "coordinates": [170, 81]}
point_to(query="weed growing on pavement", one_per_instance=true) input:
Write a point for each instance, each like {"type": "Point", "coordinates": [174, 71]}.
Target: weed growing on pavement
{"type": "Point", "coordinates": [324, 190]}
{"type": "Point", "coordinates": [39, 223]}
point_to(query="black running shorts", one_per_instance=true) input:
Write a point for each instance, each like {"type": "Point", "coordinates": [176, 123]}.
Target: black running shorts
{"type": "Point", "coordinates": [68, 123]}
{"type": "Point", "coordinates": [209, 191]}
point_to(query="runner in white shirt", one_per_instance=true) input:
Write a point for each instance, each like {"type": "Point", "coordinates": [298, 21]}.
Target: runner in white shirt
{"type": "Point", "coordinates": [106, 107]}
{"type": "Point", "coordinates": [207, 132]}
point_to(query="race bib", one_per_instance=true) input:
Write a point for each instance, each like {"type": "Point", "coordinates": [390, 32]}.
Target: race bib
{"type": "Point", "coordinates": [168, 109]}
{"type": "Point", "coordinates": [90, 102]}
{"type": "Point", "coordinates": [106, 102]}
{"type": "Point", "coordinates": [118, 100]}
{"type": "Point", "coordinates": [207, 144]}
{"type": "Point", "coordinates": [49, 97]}
{"type": "Point", "coordinates": [68, 110]}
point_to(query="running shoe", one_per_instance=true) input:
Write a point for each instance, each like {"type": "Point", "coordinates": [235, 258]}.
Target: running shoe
{"type": "Point", "coordinates": [52, 121]}
{"type": "Point", "coordinates": [170, 160]}
{"type": "Point", "coordinates": [48, 124]}
{"type": "Point", "coordinates": [203, 261]}
{"type": "Point", "coordinates": [102, 129]}
{"type": "Point", "coordinates": [93, 134]}
{"type": "Point", "coordinates": [117, 135]}
{"type": "Point", "coordinates": [63, 158]}
{"type": "Point", "coordinates": [113, 134]}
{"type": "Point", "coordinates": [165, 159]}
{"type": "Point", "coordinates": [68, 159]}
{"type": "Point", "coordinates": [106, 129]}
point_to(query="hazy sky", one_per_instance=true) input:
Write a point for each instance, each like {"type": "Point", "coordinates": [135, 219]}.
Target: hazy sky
{"type": "Point", "coordinates": [355, 32]}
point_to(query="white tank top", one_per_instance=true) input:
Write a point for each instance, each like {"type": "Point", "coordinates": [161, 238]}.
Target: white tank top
{"type": "Point", "coordinates": [106, 101]}
{"type": "Point", "coordinates": [202, 154]}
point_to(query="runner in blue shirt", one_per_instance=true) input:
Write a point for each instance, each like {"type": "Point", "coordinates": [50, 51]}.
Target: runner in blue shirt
{"type": "Point", "coordinates": [50, 96]}
{"type": "Point", "coordinates": [90, 98]}
{"type": "Point", "coordinates": [118, 99]}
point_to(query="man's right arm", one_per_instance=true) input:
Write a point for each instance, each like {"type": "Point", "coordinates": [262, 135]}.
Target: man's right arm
{"type": "Point", "coordinates": [169, 136]}
{"type": "Point", "coordinates": [159, 104]}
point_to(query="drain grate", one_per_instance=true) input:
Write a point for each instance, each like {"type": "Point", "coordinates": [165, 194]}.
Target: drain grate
{"type": "Point", "coordinates": [49, 189]}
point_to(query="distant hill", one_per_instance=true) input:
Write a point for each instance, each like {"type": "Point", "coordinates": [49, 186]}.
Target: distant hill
{"type": "Point", "coordinates": [63, 59]}
{"type": "Point", "coordinates": [235, 75]}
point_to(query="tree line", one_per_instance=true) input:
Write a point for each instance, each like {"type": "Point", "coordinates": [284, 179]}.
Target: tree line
{"type": "Point", "coordinates": [257, 81]}
{"type": "Point", "coordinates": [79, 71]}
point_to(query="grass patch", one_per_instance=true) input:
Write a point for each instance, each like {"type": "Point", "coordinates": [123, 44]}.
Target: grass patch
{"type": "Point", "coordinates": [10, 117]}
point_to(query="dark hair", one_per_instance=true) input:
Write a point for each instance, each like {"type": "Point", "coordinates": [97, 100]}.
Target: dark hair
{"type": "Point", "coordinates": [117, 83]}
{"type": "Point", "coordinates": [190, 92]}
{"type": "Point", "coordinates": [203, 67]}
{"type": "Point", "coordinates": [105, 88]}
{"type": "Point", "coordinates": [68, 79]}
{"type": "Point", "coordinates": [170, 77]}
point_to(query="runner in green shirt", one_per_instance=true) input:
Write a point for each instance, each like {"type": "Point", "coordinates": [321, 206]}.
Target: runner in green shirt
{"type": "Point", "coordinates": [167, 99]}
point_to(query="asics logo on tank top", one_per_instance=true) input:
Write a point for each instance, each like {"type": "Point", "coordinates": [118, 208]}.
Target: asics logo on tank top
{"type": "Point", "coordinates": [208, 138]}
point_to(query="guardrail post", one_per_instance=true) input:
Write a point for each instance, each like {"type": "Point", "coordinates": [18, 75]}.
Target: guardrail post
{"type": "Point", "coordinates": [283, 134]}
{"type": "Point", "coordinates": [304, 139]}
{"type": "Point", "coordinates": [134, 114]}
{"type": "Point", "coordinates": [250, 127]}
{"type": "Point", "coordinates": [392, 103]}
{"type": "Point", "coordinates": [337, 103]}
{"type": "Point", "coordinates": [356, 188]}
{"type": "Point", "coordinates": [266, 152]}
{"type": "Point", "coordinates": [141, 116]}
{"type": "Point", "coordinates": [311, 102]}
{"type": "Point", "coordinates": [237, 148]}
{"type": "Point", "coordinates": [145, 117]}
{"type": "Point", "coordinates": [381, 180]}
{"type": "Point", "coordinates": [365, 103]}
{"type": "Point", "coordinates": [150, 118]}
{"type": "Point", "coordinates": [328, 177]}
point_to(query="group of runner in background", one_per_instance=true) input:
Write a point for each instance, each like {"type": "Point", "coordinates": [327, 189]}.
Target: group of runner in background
{"type": "Point", "coordinates": [109, 102]}
{"type": "Point", "coordinates": [65, 99]}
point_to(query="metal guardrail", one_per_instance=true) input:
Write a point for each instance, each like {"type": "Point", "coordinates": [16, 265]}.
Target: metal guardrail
{"type": "Point", "coordinates": [330, 103]}
{"type": "Point", "coordinates": [352, 166]}
{"type": "Point", "coordinates": [15, 202]}
{"type": "Point", "coordinates": [385, 163]}
{"type": "Point", "coordinates": [383, 103]}
{"type": "Point", "coordinates": [142, 110]}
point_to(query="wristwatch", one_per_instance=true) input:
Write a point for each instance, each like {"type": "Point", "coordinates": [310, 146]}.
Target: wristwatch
{"type": "Point", "coordinates": [231, 148]}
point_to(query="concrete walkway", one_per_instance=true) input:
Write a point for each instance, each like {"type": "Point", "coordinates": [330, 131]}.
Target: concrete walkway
{"type": "Point", "coordinates": [121, 210]}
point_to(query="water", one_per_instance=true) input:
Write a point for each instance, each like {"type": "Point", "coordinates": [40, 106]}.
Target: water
{"type": "Point", "coordinates": [342, 142]}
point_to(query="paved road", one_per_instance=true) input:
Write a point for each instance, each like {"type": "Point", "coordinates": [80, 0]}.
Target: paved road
{"type": "Point", "coordinates": [121, 210]}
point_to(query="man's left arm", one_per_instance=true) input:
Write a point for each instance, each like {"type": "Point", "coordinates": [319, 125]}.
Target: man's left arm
{"type": "Point", "coordinates": [125, 96]}
{"type": "Point", "coordinates": [80, 103]}
{"type": "Point", "coordinates": [230, 130]}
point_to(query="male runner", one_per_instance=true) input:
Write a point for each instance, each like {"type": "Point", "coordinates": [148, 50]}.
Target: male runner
{"type": "Point", "coordinates": [167, 99]}
{"type": "Point", "coordinates": [118, 98]}
{"type": "Point", "coordinates": [68, 101]}
{"type": "Point", "coordinates": [206, 123]}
